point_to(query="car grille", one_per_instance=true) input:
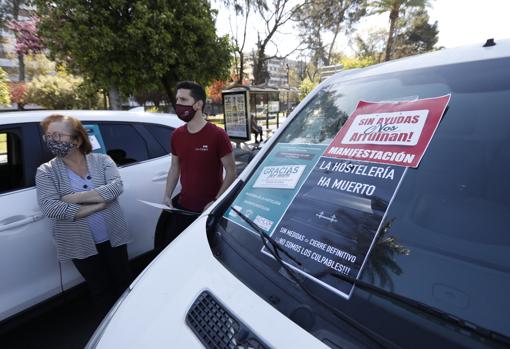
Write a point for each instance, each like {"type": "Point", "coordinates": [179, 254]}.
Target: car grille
{"type": "Point", "coordinates": [216, 327]}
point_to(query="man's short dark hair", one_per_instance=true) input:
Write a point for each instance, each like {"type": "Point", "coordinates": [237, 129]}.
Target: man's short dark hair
{"type": "Point", "coordinates": [196, 91]}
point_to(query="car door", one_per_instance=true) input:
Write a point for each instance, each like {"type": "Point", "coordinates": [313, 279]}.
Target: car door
{"type": "Point", "coordinates": [143, 163]}
{"type": "Point", "coordinates": [29, 270]}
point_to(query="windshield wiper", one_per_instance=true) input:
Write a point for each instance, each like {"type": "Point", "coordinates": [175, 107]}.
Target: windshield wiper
{"type": "Point", "coordinates": [481, 331]}
{"type": "Point", "coordinates": [265, 237]}
{"type": "Point", "coordinates": [381, 341]}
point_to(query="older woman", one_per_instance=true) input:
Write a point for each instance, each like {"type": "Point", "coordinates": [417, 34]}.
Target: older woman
{"type": "Point", "coordinates": [78, 190]}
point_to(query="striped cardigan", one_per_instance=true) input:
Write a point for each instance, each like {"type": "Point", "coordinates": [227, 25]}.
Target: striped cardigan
{"type": "Point", "coordinates": [73, 236]}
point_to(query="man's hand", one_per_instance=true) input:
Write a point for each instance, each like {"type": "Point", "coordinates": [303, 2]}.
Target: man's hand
{"type": "Point", "coordinates": [72, 198]}
{"type": "Point", "coordinates": [168, 201]}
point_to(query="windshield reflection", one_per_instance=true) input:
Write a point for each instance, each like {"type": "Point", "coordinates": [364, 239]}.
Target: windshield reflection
{"type": "Point", "coordinates": [381, 261]}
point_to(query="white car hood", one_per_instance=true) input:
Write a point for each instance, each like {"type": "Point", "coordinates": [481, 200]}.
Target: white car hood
{"type": "Point", "coordinates": [153, 314]}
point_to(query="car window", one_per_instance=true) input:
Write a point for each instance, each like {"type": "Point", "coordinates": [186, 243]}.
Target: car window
{"type": "Point", "coordinates": [123, 143]}
{"type": "Point", "coordinates": [445, 238]}
{"type": "Point", "coordinates": [162, 134]}
{"type": "Point", "coordinates": [11, 160]}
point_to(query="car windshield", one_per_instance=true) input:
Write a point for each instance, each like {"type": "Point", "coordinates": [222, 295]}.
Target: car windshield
{"type": "Point", "coordinates": [444, 240]}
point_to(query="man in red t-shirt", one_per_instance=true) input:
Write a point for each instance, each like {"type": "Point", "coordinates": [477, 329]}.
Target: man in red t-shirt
{"type": "Point", "coordinates": [200, 152]}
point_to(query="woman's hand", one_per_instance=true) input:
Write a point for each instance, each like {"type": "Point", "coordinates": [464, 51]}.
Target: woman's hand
{"type": "Point", "coordinates": [74, 198]}
{"type": "Point", "coordinates": [87, 210]}
{"type": "Point", "coordinates": [83, 197]}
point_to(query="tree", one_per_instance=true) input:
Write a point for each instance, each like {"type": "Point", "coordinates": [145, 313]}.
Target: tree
{"type": "Point", "coordinates": [214, 90]}
{"type": "Point", "coordinates": [17, 92]}
{"type": "Point", "coordinates": [350, 63]}
{"type": "Point", "coordinates": [4, 89]}
{"type": "Point", "coordinates": [320, 17]}
{"type": "Point", "coordinates": [62, 91]}
{"type": "Point", "coordinates": [242, 10]}
{"type": "Point", "coordinates": [27, 39]}
{"type": "Point", "coordinates": [413, 35]}
{"type": "Point", "coordinates": [395, 9]}
{"type": "Point", "coordinates": [306, 87]}
{"type": "Point", "coordinates": [125, 44]}
{"type": "Point", "coordinates": [417, 35]}
{"type": "Point", "coordinates": [38, 64]}
{"type": "Point", "coordinates": [11, 10]}
{"type": "Point", "coordinates": [372, 47]}
{"type": "Point", "coordinates": [154, 93]}
{"type": "Point", "coordinates": [274, 15]}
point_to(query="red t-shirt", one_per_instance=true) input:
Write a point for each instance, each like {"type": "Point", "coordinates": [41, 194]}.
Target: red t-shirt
{"type": "Point", "coordinates": [200, 163]}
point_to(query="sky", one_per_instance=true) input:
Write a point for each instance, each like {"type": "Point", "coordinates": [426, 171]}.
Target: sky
{"type": "Point", "coordinates": [460, 22]}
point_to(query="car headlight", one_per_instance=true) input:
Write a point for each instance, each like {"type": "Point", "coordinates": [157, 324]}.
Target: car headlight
{"type": "Point", "coordinates": [98, 333]}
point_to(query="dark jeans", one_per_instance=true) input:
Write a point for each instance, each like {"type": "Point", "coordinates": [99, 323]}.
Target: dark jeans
{"type": "Point", "coordinates": [170, 225]}
{"type": "Point", "coordinates": [107, 274]}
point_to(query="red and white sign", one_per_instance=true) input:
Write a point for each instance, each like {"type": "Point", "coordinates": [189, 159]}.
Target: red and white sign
{"type": "Point", "coordinates": [395, 133]}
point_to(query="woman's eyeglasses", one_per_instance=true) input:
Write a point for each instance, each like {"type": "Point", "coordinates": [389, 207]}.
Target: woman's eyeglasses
{"type": "Point", "coordinates": [55, 136]}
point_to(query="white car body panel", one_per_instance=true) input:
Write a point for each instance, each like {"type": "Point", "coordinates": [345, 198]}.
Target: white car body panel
{"type": "Point", "coordinates": [28, 263]}
{"type": "Point", "coordinates": [153, 314]}
{"type": "Point", "coordinates": [29, 269]}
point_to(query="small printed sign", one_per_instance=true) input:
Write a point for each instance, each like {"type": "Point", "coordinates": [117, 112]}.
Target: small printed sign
{"type": "Point", "coordinates": [95, 137]}
{"type": "Point", "coordinates": [279, 177]}
{"type": "Point", "coordinates": [236, 115]}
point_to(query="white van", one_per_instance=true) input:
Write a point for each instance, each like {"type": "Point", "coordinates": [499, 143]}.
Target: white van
{"type": "Point", "coordinates": [376, 216]}
{"type": "Point", "coordinates": [138, 142]}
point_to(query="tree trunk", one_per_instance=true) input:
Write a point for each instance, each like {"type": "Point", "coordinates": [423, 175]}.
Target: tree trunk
{"type": "Point", "coordinates": [241, 69]}
{"type": "Point", "coordinates": [105, 100]}
{"type": "Point", "coordinates": [389, 43]}
{"type": "Point", "coordinates": [113, 95]}
{"type": "Point", "coordinates": [259, 73]}
{"type": "Point", "coordinates": [21, 67]}
{"type": "Point", "coordinates": [170, 90]}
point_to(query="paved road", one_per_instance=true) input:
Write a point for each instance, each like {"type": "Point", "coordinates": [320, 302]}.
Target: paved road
{"type": "Point", "coordinates": [67, 326]}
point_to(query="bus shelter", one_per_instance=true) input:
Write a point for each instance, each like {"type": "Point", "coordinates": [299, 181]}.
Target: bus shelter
{"type": "Point", "coordinates": [240, 103]}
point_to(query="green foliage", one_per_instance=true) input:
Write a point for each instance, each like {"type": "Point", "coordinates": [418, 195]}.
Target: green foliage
{"type": "Point", "coordinates": [152, 109]}
{"type": "Point", "coordinates": [354, 62]}
{"type": "Point", "coordinates": [372, 46]}
{"type": "Point", "coordinates": [413, 35]}
{"type": "Point", "coordinates": [128, 44]}
{"type": "Point", "coordinates": [61, 91]}
{"type": "Point", "coordinates": [38, 64]}
{"type": "Point", "coordinates": [395, 8]}
{"type": "Point", "coordinates": [319, 19]}
{"type": "Point", "coordinates": [416, 34]}
{"type": "Point", "coordinates": [306, 87]}
{"type": "Point", "coordinates": [4, 89]}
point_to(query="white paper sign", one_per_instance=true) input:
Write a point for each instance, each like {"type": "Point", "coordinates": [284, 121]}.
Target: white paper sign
{"type": "Point", "coordinates": [168, 208]}
{"type": "Point", "coordinates": [396, 128]}
{"type": "Point", "coordinates": [279, 177]}
{"type": "Point", "coordinates": [94, 142]}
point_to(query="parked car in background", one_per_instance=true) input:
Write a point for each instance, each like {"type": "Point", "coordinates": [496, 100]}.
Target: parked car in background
{"type": "Point", "coordinates": [423, 264]}
{"type": "Point", "coordinates": [138, 142]}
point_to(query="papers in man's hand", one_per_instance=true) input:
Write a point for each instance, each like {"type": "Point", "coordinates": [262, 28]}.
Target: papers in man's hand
{"type": "Point", "coordinates": [168, 208]}
{"type": "Point", "coordinates": [153, 204]}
